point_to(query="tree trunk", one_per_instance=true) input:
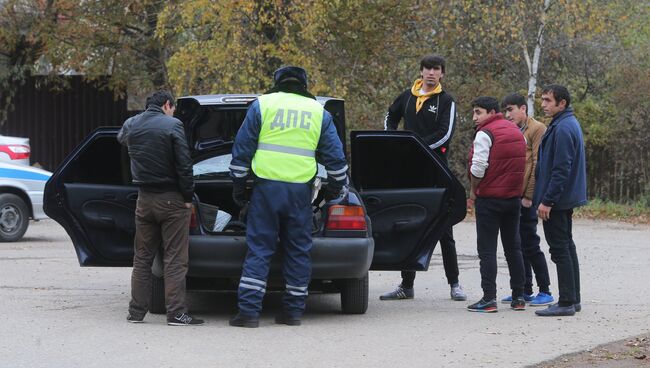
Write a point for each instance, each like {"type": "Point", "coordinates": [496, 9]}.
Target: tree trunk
{"type": "Point", "coordinates": [533, 65]}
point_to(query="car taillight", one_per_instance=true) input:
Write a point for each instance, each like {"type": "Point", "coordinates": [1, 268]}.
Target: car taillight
{"type": "Point", "coordinates": [346, 218]}
{"type": "Point", "coordinates": [15, 151]}
{"type": "Point", "coordinates": [193, 223]}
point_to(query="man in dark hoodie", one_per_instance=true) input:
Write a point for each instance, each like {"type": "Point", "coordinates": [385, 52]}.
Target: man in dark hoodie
{"type": "Point", "coordinates": [430, 112]}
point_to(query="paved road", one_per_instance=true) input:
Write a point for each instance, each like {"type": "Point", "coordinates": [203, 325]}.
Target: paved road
{"type": "Point", "coordinates": [57, 314]}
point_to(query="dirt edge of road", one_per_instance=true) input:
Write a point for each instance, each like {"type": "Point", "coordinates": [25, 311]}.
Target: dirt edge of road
{"type": "Point", "coordinates": [630, 352]}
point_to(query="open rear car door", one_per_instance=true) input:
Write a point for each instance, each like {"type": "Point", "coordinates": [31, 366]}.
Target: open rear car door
{"type": "Point", "coordinates": [410, 195]}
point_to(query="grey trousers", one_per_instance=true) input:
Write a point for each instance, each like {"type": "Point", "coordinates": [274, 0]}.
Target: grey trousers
{"type": "Point", "coordinates": [161, 220]}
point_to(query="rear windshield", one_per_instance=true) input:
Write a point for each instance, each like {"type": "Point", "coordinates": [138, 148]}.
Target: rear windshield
{"type": "Point", "coordinates": [210, 122]}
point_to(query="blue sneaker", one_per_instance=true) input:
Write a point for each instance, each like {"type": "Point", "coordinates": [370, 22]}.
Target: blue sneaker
{"type": "Point", "coordinates": [541, 299]}
{"type": "Point", "coordinates": [508, 299]}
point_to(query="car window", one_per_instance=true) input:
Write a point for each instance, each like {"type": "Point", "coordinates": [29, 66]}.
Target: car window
{"type": "Point", "coordinates": [218, 167]}
{"type": "Point", "coordinates": [213, 167]}
{"type": "Point", "coordinates": [395, 162]}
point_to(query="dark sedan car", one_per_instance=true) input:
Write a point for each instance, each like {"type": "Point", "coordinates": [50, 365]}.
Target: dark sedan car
{"type": "Point", "coordinates": [402, 198]}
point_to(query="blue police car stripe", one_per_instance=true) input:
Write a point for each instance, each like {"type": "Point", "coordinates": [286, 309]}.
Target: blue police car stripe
{"type": "Point", "coordinates": [22, 174]}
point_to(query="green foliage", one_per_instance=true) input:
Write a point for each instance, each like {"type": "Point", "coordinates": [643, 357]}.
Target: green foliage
{"type": "Point", "coordinates": [595, 118]}
{"type": "Point", "coordinates": [24, 30]}
{"type": "Point", "coordinates": [637, 212]}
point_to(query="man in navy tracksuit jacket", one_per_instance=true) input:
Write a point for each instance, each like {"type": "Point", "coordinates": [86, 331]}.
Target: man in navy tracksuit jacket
{"type": "Point", "coordinates": [561, 187]}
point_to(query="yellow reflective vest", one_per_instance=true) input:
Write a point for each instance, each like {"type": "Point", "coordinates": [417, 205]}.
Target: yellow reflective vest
{"type": "Point", "coordinates": [289, 135]}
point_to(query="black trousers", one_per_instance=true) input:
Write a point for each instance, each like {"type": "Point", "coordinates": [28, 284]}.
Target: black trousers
{"type": "Point", "coordinates": [534, 258]}
{"type": "Point", "coordinates": [449, 260]}
{"type": "Point", "coordinates": [494, 215]}
{"type": "Point", "coordinates": [558, 232]}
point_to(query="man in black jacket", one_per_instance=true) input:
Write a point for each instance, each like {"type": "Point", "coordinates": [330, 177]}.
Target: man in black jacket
{"type": "Point", "coordinates": [430, 112]}
{"type": "Point", "coordinates": [162, 167]}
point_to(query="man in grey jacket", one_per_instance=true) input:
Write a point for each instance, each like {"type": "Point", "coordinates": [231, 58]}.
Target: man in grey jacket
{"type": "Point", "coordinates": [162, 167]}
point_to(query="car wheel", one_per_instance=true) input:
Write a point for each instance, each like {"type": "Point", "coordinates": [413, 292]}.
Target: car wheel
{"type": "Point", "coordinates": [354, 295]}
{"type": "Point", "coordinates": [157, 303]}
{"type": "Point", "coordinates": [14, 217]}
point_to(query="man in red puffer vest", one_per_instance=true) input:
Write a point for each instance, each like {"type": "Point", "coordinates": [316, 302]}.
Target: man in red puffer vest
{"type": "Point", "coordinates": [497, 161]}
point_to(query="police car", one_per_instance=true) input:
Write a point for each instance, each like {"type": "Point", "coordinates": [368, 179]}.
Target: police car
{"type": "Point", "coordinates": [401, 199]}
{"type": "Point", "coordinates": [21, 198]}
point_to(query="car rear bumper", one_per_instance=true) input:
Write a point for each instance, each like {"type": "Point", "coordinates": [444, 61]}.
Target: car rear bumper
{"type": "Point", "coordinates": [332, 258]}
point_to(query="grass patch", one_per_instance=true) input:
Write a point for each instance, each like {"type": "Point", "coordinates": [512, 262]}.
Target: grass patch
{"type": "Point", "coordinates": [638, 212]}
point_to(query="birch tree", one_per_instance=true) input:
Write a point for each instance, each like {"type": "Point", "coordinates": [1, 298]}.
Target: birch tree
{"type": "Point", "coordinates": [533, 65]}
{"type": "Point", "coordinates": [501, 34]}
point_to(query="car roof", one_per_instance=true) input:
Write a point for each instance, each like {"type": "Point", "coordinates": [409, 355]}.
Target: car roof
{"type": "Point", "coordinates": [238, 99]}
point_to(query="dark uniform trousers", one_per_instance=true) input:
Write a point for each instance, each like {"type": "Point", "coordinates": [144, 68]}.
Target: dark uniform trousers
{"type": "Point", "coordinates": [161, 219]}
{"type": "Point", "coordinates": [277, 210]}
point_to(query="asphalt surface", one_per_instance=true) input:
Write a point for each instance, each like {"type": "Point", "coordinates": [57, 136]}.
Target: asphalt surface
{"type": "Point", "coordinates": [57, 314]}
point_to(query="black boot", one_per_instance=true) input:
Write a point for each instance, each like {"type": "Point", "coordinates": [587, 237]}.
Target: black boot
{"type": "Point", "coordinates": [285, 319]}
{"type": "Point", "coordinates": [241, 320]}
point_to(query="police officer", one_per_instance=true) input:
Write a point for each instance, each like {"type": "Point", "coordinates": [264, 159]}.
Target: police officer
{"type": "Point", "coordinates": [283, 135]}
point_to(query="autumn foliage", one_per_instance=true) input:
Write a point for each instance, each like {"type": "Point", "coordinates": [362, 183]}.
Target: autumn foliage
{"type": "Point", "coordinates": [366, 52]}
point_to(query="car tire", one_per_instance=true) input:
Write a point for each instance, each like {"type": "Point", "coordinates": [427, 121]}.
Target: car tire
{"type": "Point", "coordinates": [354, 295]}
{"type": "Point", "coordinates": [14, 217]}
{"type": "Point", "coordinates": [157, 303]}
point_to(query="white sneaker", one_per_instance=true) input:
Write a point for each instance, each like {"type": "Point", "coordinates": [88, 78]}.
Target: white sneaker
{"type": "Point", "coordinates": [457, 293]}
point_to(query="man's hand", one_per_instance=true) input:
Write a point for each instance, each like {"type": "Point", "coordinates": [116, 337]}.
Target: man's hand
{"type": "Point", "coordinates": [470, 203]}
{"type": "Point", "coordinates": [471, 200]}
{"type": "Point", "coordinates": [239, 194]}
{"type": "Point", "coordinates": [330, 193]}
{"type": "Point", "coordinates": [526, 202]}
{"type": "Point", "coordinates": [544, 212]}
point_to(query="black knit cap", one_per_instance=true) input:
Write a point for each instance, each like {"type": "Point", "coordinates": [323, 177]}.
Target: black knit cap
{"type": "Point", "coordinates": [290, 73]}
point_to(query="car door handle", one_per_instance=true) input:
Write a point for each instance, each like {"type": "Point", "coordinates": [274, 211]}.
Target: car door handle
{"type": "Point", "coordinates": [372, 201]}
{"type": "Point", "coordinates": [101, 222]}
{"type": "Point", "coordinates": [406, 225]}
{"type": "Point", "coordinates": [132, 196]}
